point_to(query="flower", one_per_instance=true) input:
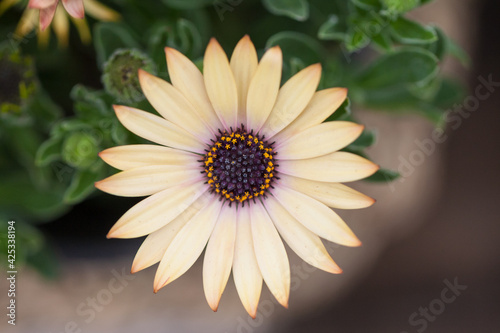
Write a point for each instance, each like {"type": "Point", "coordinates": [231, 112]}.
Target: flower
{"type": "Point", "coordinates": [240, 161]}
{"type": "Point", "coordinates": [120, 74]}
{"type": "Point", "coordinates": [49, 10]}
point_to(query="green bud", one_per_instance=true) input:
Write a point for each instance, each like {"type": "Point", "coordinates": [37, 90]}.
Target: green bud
{"type": "Point", "coordinates": [80, 150]}
{"type": "Point", "coordinates": [17, 81]}
{"type": "Point", "coordinates": [120, 74]}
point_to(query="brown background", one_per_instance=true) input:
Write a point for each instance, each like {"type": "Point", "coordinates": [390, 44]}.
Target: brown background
{"type": "Point", "coordinates": [459, 239]}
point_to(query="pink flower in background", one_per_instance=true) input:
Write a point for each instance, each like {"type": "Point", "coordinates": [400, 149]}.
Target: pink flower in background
{"type": "Point", "coordinates": [48, 9]}
{"type": "Point", "coordinates": [44, 13]}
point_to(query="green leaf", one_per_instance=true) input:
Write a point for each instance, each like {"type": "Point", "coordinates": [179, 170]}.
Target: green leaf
{"type": "Point", "coordinates": [367, 4]}
{"type": "Point", "coordinates": [331, 30]}
{"type": "Point", "coordinates": [67, 126]}
{"type": "Point", "coordinates": [383, 41]}
{"type": "Point", "coordinates": [91, 104]}
{"type": "Point", "coordinates": [45, 262]}
{"type": "Point", "coordinates": [342, 113]}
{"type": "Point", "coordinates": [295, 9]}
{"type": "Point", "coordinates": [82, 185]}
{"type": "Point", "coordinates": [392, 98]}
{"type": "Point", "coordinates": [187, 38]}
{"type": "Point", "coordinates": [20, 197]}
{"type": "Point", "coordinates": [439, 46]}
{"type": "Point", "coordinates": [184, 36]}
{"type": "Point", "coordinates": [189, 4]}
{"type": "Point", "coordinates": [296, 65]}
{"type": "Point", "coordinates": [45, 111]}
{"type": "Point", "coordinates": [426, 92]}
{"type": "Point", "coordinates": [458, 52]}
{"type": "Point", "coordinates": [299, 46]}
{"type": "Point", "coordinates": [49, 151]}
{"type": "Point", "coordinates": [383, 175]}
{"type": "Point", "coordinates": [449, 93]}
{"type": "Point", "coordinates": [119, 134]}
{"type": "Point", "coordinates": [398, 7]}
{"type": "Point", "coordinates": [403, 67]}
{"type": "Point", "coordinates": [366, 139]}
{"type": "Point", "coordinates": [432, 113]}
{"type": "Point", "coordinates": [411, 32]}
{"type": "Point", "coordinates": [356, 40]}
{"type": "Point", "coordinates": [110, 36]}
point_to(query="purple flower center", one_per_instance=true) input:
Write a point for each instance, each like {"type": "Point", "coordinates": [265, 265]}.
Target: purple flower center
{"type": "Point", "coordinates": [239, 165]}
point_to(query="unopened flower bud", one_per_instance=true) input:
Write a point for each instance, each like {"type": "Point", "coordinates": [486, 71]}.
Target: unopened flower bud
{"type": "Point", "coordinates": [80, 150]}
{"type": "Point", "coordinates": [120, 74]}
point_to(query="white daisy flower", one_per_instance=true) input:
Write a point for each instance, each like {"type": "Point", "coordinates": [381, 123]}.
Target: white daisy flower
{"type": "Point", "coordinates": [238, 163]}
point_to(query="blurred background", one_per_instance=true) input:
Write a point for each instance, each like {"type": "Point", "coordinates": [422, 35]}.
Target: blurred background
{"type": "Point", "coordinates": [430, 260]}
{"type": "Point", "coordinates": [457, 237]}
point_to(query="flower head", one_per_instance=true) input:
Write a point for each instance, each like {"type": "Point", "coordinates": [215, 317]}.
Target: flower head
{"type": "Point", "coordinates": [120, 74]}
{"type": "Point", "coordinates": [49, 11]}
{"type": "Point", "coordinates": [239, 163]}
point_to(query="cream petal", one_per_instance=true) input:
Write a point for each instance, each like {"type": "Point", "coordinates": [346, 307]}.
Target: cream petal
{"type": "Point", "coordinates": [28, 21]}
{"type": "Point", "coordinates": [319, 140]}
{"type": "Point", "coordinates": [219, 256]}
{"type": "Point", "coordinates": [156, 211]}
{"type": "Point", "coordinates": [74, 8]}
{"type": "Point", "coordinates": [46, 16]}
{"type": "Point", "coordinates": [156, 129]}
{"type": "Point", "coordinates": [100, 12]}
{"type": "Point", "coordinates": [186, 77]}
{"type": "Point", "coordinates": [264, 88]}
{"type": "Point", "coordinates": [246, 271]}
{"type": "Point", "coordinates": [316, 216]}
{"type": "Point", "coordinates": [335, 167]}
{"type": "Point", "coordinates": [173, 106]}
{"type": "Point", "coordinates": [220, 84]}
{"type": "Point", "coordinates": [243, 64]}
{"type": "Point", "coordinates": [43, 37]}
{"type": "Point", "coordinates": [187, 245]}
{"type": "Point", "coordinates": [323, 104]}
{"type": "Point", "coordinates": [83, 29]}
{"type": "Point", "coordinates": [333, 195]}
{"type": "Point", "coordinates": [306, 244]}
{"type": "Point", "coordinates": [60, 25]}
{"type": "Point", "coordinates": [154, 246]}
{"type": "Point", "coordinates": [148, 180]}
{"type": "Point", "coordinates": [135, 156]}
{"type": "Point", "coordinates": [292, 98]}
{"type": "Point", "coordinates": [271, 254]}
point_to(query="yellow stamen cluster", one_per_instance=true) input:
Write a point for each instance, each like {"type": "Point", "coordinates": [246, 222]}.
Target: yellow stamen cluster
{"type": "Point", "coordinates": [239, 166]}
